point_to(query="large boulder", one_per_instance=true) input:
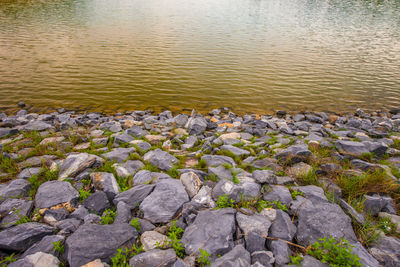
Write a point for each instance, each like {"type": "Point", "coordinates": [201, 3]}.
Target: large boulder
{"type": "Point", "coordinates": [22, 236]}
{"type": "Point", "coordinates": [92, 241]}
{"type": "Point", "coordinates": [163, 203]}
{"type": "Point", "coordinates": [212, 231]}
{"type": "Point", "coordinates": [161, 159]}
{"type": "Point", "coordinates": [76, 163]}
{"type": "Point", "coordinates": [52, 193]}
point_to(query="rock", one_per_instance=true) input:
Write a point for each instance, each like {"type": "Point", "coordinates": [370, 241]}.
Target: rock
{"type": "Point", "coordinates": [221, 172]}
{"type": "Point", "coordinates": [111, 126]}
{"type": "Point", "coordinates": [254, 242]}
{"type": "Point", "coordinates": [331, 168]}
{"type": "Point", "coordinates": [152, 239]}
{"type": "Point", "coordinates": [212, 230]}
{"type": "Point", "coordinates": [12, 210]}
{"type": "Point", "coordinates": [204, 197]}
{"type": "Point", "coordinates": [96, 263]}
{"type": "Point", "coordinates": [227, 136]}
{"type": "Point", "coordinates": [137, 131]}
{"type": "Point", "coordinates": [52, 140]}
{"type": "Point", "coordinates": [281, 252]}
{"type": "Point", "coordinates": [129, 168]}
{"type": "Point", "coordinates": [393, 218]}
{"type": "Point", "coordinates": [38, 259]}
{"type": "Point", "coordinates": [299, 170]}
{"type": "Point", "coordinates": [237, 257]}
{"type": "Point", "coordinates": [134, 196]}
{"type": "Point", "coordinates": [351, 148]}
{"type": "Point", "coordinates": [16, 188]}
{"type": "Point", "coordinates": [155, 257]}
{"type": "Point", "coordinates": [106, 182]}
{"type": "Point", "coordinates": [79, 213]}
{"type": "Point", "coordinates": [266, 258]}
{"type": "Point", "coordinates": [123, 213]}
{"type": "Point", "coordinates": [282, 227]}
{"type": "Point", "coordinates": [214, 160]}
{"type": "Point", "coordinates": [180, 263]}
{"type": "Point", "coordinates": [181, 120]}
{"type": "Point", "coordinates": [46, 245]}
{"type": "Point", "coordinates": [279, 193]}
{"type": "Point", "coordinates": [161, 159]}
{"type": "Point", "coordinates": [52, 193]}
{"type": "Point", "coordinates": [235, 150]}
{"type": "Point", "coordinates": [386, 251]}
{"type": "Point", "coordinates": [97, 202]}
{"type": "Point", "coordinates": [36, 126]}
{"type": "Point", "coordinates": [309, 261]}
{"type": "Point", "coordinates": [104, 240]}
{"type": "Point", "coordinates": [255, 223]}
{"type": "Point", "coordinates": [52, 216]}
{"type": "Point", "coordinates": [191, 182]}
{"type": "Point", "coordinates": [163, 203]}
{"type": "Point", "coordinates": [245, 189]}
{"type": "Point", "coordinates": [123, 138]}
{"type": "Point", "coordinates": [155, 139]}
{"type": "Point", "coordinates": [196, 126]}
{"type": "Point", "coordinates": [147, 177]}
{"type": "Point", "coordinates": [363, 165]}
{"type": "Point", "coordinates": [190, 141]}
{"type": "Point", "coordinates": [74, 164]}
{"type": "Point", "coordinates": [359, 217]}
{"type": "Point", "coordinates": [264, 176]}
{"type": "Point", "coordinates": [28, 173]}
{"type": "Point", "coordinates": [294, 154]}
{"type": "Point", "coordinates": [119, 154]}
{"type": "Point", "coordinates": [68, 226]}
{"type": "Point", "coordinates": [375, 204]}
{"type": "Point", "coordinates": [22, 236]}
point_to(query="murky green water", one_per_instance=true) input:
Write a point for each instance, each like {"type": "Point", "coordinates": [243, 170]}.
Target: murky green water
{"type": "Point", "coordinates": [252, 55]}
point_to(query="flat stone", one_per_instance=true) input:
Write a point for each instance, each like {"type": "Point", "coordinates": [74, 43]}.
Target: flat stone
{"type": "Point", "coordinates": [212, 230]}
{"type": "Point", "coordinates": [12, 210]}
{"type": "Point", "coordinates": [46, 245]}
{"type": "Point", "coordinates": [74, 164]}
{"type": "Point", "coordinates": [386, 250]}
{"type": "Point", "coordinates": [39, 259]}
{"type": "Point", "coordinates": [136, 131]}
{"type": "Point", "coordinates": [129, 168]}
{"type": "Point", "coordinates": [135, 195]}
{"type": "Point", "coordinates": [191, 182]}
{"type": "Point", "coordinates": [238, 257]}
{"type": "Point", "coordinates": [22, 236]}
{"type": "Point", "coordinates": [221, 172]}
{"type": "Point", "coordinates": [52, 193]}
{"type": "Point", "coordinates": [97, 202]}
{"type": "Point", "coordinates": [279, 193]}
{"type": "Point", "coordinates": [247, 188]}
{"type": "Point", "coordinates": [351, 148]}
{"type": "Point", "coordinates": [147, 177]}
{"type": "Point", "coordinates": [215, 160]}
{"type": "Point", "coordinates": [164, 202]}
{"type": "Point", "coordinates": [106, 182]}
{"type": "Point", "coordinates": [93, 241]}
{"type": "Point", "coordinates": [154, 257]}
{"type": "Point", "coordinates": [16, 188]}
{"type": "Point", "coordinates": [152, 239]}
{"type": "Point", "coordinates": [119, 154]}
{"type": "Point", "coordinates": [264, 176]}
{"type": "Point", "coordinates": [52, 140]}
{"type": "Point", "coordinates": [294, 154]}
{"type": "Point", "coordinates": [123, 138]}
{"type": "Point", "coordinates": [235, 150]}
{"type": "Point", "coordinates": [28, 173]}
{"type": "Point", "coordinates": [161, 159]}
{"type": "Point", "coordinates": [36, 126]}
{"type": "Point", "coordinates": [299, 169]}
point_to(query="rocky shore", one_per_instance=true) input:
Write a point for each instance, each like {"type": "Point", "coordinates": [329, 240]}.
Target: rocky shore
{"type": "Point", "coordinates": [218, 189]}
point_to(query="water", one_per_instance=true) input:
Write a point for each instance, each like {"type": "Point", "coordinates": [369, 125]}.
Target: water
{"type": "Point", "coordinates": [251, 55]}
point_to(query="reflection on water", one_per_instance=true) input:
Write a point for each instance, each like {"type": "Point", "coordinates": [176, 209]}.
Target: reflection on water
{"type": "Point", "coordinates": [252, 55]}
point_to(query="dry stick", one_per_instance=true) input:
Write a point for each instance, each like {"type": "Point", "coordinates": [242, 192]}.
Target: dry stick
{"type": "Point", "coordinates": [287, 242]}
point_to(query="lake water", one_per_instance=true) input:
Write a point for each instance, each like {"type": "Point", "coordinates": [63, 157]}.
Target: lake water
{"type": "Point", "coordinates": [250, 55]}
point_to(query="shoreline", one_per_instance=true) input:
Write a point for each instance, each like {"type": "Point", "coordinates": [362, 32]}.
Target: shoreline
{"type": "Point", "coordinates": [197, 189]}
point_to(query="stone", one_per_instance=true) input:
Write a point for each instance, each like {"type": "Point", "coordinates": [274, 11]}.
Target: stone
{"type": "Point", "coordinates": [351, 148]}
{"type": "Point", "coordinates": [152, 239]}
{"type": "Point", "coordinates": [283, 227]}
{"type": "Point", "coordinates": [190, 141]}
{"type": "Point", "coordinates": [375, 204]}
{"type": "Point", "coordinates": [221, 172]}
{"type": "Point", "coordinates": [363, 165]}
{"type": "Point", "coordinates": [16, 188]}
{"type": "Point", "coordinates": [191, 182]}
{"type": "Point", "coordinates": [247, 188]}
{"type": "Point", "coordinates": [106, 182]}
{"type": "Point", "coordinates": [93, 241]}
{"type": "Point", "coordinates": [164, 202]}
{"type": "Point", "coordinates": [294, 154]}
{"type": "Point", "coordinates": [28, 173]}
{"type": "Point", "coordinates": [154, 257]}
{"type": "Point", "coordinates": [331, 168]}
{"type": "Point", "coordinates": [147, 177]}
{"type": "Point", "coordinates": [12, 210]}
{"type": "Point", "coordinates": [68, 226]}
{"type": "Point", "coordinates": [52, 216]}
{"type": "Point", "coordinates": [309, 261]}
{"type": "Point", "coordinates": [393, 218]}
{"type": "Point", "coordinates": [36, 126]}
{"type": "Point", "coordinates": [212, 230]}
{"type": "Point", "coordinates": [123, 138]}
{"type": "Point", "coordinates": [137, 131]}
{"type": "Point", "coordinates": [46, 160]}
{"type": "Point", "coordinates": [79, 213]}
{"type": "Point", "coordinates": [22, 236]}
{"type": "Point", "coordinates": [204, 197]}
{"type": "Point", "coordinates": [123, 213]}
{"type": "Point", "coordinates": [386, 250]}
{"type": "Point", "coordinates": [46, 245]}
{"type": "Point", "coordinates": [52, 140]}
{"type": "Point", "coordinates": [161, 159]}
{"type": "Point", "coordinates": [299, 170]}
{"type": "Point", "coordinates": [237, 257]}
{"type": "Point", "coordinates": [129, 168]}
{"type": "Point", "coordinates": [52, 193]}
{"type": "Point", "coordinates": [196, 126]}
{"type": "Point", "coordinates": [235, 150]}
{"type": "Point", "coordinates": [264, 176]}
{"type": "Point", "coordinates": [281, 252]}
{"type": "Point", "coordinates": [74, 164]}
{"type": "Point", "coordinates": [279, 193]}
{"type": "Point", "coordinates": [181, 120]}
{"type": "Point", "coordinates": [215, 160]}
{"type": "Point", "coordinates": [96, 263]}
{"type": "Point", "coordinates": [97, 202]}
{"type": "Point", "coordinates": [134, 196]}
{"type": "Point", "coordinates": [266, 258]}
{"type": "Point", "coordinates": [155, 139]}
{"type": "Point", "coordinates": [359, 217]}
{"type": "Point", "coordinates": [119, 154]}
{"type": "Point", "coordinates": [39, 259]}
{"type": "Point", "coordinates": [82, 146]}
{"type": "Point", "coordinates": [255, 223]}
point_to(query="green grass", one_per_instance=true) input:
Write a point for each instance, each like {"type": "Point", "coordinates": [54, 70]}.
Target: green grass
{"type": "Point", "coordinates": [174, 235]}
{"type": "Point", "coordinates": [136, 224]}
{"type": "Point", "coordinates": [108, 217]}
{"type": "Point", "coordinates": [9, 165]}
{"type": "Point", "coordinates": [310, 178]}
{"type": "Point", "coordinates": [43, 176]}
{"type": "Point", "coordinates": [123, 255]}
{"type": "Point", "coordinates": [83, 194]}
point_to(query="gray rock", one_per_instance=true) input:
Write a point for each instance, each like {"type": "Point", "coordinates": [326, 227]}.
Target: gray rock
{"type": "Point", "coordinates": [254, 242]}
{"type": "Point", "coordinates": [147, 177]}
{"type": "Point", "coordinates": [294, 154]}
{"type": "Point", "coordinates": [36, 126]}
{"type": "Point", "coordinates": [161, 159]}
{"type": "Point", "coordinates": [119, 154]}
{"type": "Point", "coordinates": [39, 259]}
{"type": "Point", "coordinates": [112, 126]}
{"type": "Point", "coordinates": [279, 193]}
{"type": "Point", "coordinates": [154, 257]}
{"type": "Point", "coordinates": [214, 160]}
{"type": "Point", "coordinates": [246, 189]}
{"type": "Point", "coordinates": [212, 231]}
{"type": "Point", "coordinates": [237, 257]}
{"type": "Point", "coordinates": [123, 138]}
{"type": "Point", "coordinates": [281, 252]}
{"type": "Point", "coordinates": [264, 176]}
{"type": "Point", "coordinates": [190, 141]}
{"type": "Point", "coordinates": [12, 210]}
{"type": "Point", "coordinates": [375, 204]}
{"type": "Point", "coordinates": [196, 126]}
{"type": "Point", "coordinates": [68, 226]}
{"type": "Point", "coordinates": [123, 213]}
{"type": "Point", "coordinates": [22, 236]}
{"type": "Point", "coordinates": [377, 148]}
{"type": "Point", "coordinates": [351, 148]}
{"type": "Point", "coordinates": [180, 120]}
{"type": "Point", "coordinates": [79, 213]}
{"type": "Point", "coordinates": [28, 173]}
{"type": "Point", "coordinates": [386, 251]}
{"type": "Point", "coordinates": [359, 217]}
{"type": "Point", "coordinates": [283, 227]}
{"type": "Point", "coordinates": [16, 188]}
{"type": "Point", "coordinates": [163, 203]}
{"type": "Point", "coordinates": [235, 150]}
{"type": "Point", "coordinates": [137, 131]}
{"type": "Point", "coordinates": [363, 165]}
{"type": "Point", "coordinates": [52, 193]}
{"type": "Point", "coordinates": [221, 172]}
{"type": "Point", "coordinates": [134, 196]}
{"type": "Point", "coordinates": [255, 223]}
{"type": "Point", "coordinates": [92, 218]}
{"type": "Point", "coordinates": [266, 258]}
{"type": "Point", "coordinates": [106, 182]}
{"type": "Point", "coordinates": [180, 263]}
{"type": "Point", "coordinates": [7, 131]}
{"type": "Point", "coordinates": [191, 182]}
{"type": "Point", "coordinates": [104, 240]}
{"type": "Point", "coordinates": [204, 197]}
{"type": "Point", "coordinates": [76, 163]}
{"type": "Point", "coordinates": [97, 202]}
{"type": "Point", "coordinates": [46, 245]}
{"type": "Point", "coordinates": [309, 261]}
{"type": "Point", "coordinates": [129, 168]}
